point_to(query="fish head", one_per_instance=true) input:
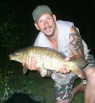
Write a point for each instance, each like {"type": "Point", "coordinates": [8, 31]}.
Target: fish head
{"type": "Point", "coordinates": [17, 56]}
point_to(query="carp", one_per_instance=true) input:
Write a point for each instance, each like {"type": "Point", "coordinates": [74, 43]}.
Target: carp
{"type": "Point", "coordinates": [48, 58]}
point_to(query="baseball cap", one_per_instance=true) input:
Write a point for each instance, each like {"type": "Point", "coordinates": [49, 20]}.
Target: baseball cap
{"type": "Point", "coordinates": [39, 11]}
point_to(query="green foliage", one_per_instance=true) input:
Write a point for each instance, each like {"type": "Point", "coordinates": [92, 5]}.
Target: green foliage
{"type": "Point", "coordinates": [12, 34]}
{"type": "Point", "coordinates": [10, 28]}
{"type": "Point", "coordinates": [32, 83]}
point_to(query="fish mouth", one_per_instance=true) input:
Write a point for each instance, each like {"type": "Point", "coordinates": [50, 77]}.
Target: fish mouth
{"type": "Point", "coordinates": [10, 56]}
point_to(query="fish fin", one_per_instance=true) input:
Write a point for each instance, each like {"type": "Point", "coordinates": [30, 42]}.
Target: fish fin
{"type": "Point", "coordinates": [81, 63]}
{"type": "Point", "coordinates": [43, 72]}
{"type": "Point", "coordinates": [79, 72]}
{"type": "Point", "coordinates": [43, 66]}
{"type": "Point", "coordinates": [24, 69]}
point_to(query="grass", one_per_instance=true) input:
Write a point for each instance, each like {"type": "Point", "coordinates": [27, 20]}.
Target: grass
{"type": "Point", "coordinates": [13, 80]}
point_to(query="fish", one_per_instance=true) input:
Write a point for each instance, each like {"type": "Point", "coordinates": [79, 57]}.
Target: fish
{"type": "Point", "coordinates": [49, 59]}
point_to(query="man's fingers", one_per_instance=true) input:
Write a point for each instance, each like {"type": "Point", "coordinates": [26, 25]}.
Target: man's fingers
{"type": "Point", "coordinates": [30, 63]}
{"type": "Point", "coordinates": [64, 70]}
{"type": "Point", "coordinates": [58, 70]}
{"type": "Point", "coordinates": [34, 63]}
{"type": "Point", "coordinates": [67, 58]}
{"type": "Point", "coordinates": [23, 62]}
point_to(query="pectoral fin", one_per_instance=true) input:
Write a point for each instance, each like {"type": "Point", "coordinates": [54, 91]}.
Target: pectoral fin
{"type": "Point", "coordinates": [43, 72]}
{"type": "Point", "coordinates": [24, 69]}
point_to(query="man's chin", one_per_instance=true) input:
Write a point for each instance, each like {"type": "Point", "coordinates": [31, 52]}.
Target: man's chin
{"type": "Point", "coordinates": [48, 35]}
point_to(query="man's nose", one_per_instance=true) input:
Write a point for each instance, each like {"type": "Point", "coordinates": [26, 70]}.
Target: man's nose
{"type": "Point", "coordinates": [45, 23]}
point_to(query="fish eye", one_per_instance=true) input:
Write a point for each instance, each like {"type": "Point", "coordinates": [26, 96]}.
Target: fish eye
{"type": "Point", "coordinates": [17, 54]}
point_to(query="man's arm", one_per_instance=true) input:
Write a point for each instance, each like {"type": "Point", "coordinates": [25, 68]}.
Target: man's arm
{"type": "Point", "coordinates": [75, 44]}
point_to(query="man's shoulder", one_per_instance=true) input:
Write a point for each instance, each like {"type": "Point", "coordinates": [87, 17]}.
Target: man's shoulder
{"type": "Point", "coordinates": [40, 39]}
{"type": "Point", "coordinates": [40, 35]}
{"type": "Point", "coordinates": [61, 22]}
{"type": "Point", "coordinates": [64, 25]}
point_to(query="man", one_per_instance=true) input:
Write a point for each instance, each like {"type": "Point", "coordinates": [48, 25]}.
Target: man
{"type": "Point", "coordinates": [64, 37]}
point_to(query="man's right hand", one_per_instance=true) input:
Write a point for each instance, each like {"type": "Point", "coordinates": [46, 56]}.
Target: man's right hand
{"type": "Point", "coordinates": [30, 63]}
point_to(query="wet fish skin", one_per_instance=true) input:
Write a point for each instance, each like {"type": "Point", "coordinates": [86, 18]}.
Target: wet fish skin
{"type": "Point", "coordinates": [48, 58]}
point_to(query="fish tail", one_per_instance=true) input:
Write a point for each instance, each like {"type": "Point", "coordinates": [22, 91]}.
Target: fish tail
{"type": "Point", "coordinates": [79, 64]}
{"type": "Point", "coordinates": [79, 72]}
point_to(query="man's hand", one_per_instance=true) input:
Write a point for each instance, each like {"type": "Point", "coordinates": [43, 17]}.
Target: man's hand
{"type": "Point", "coordinates": [64, 69]}
{"type": "Point", "coordinates": [30, 63]}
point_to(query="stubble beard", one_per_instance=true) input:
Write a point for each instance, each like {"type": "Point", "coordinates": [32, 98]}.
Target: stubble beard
{"type": "Point", "coordinates": [49, 35]}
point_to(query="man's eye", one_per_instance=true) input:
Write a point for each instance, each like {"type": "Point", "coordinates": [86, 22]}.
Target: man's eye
{"type": "Point", "coordinates": [40, 21]}
{"type": "Point", "coordinates": [48, 18]}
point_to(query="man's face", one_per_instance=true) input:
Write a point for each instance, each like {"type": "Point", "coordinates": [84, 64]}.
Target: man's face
{"type": "Point", "coordinates": [46, 24]}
